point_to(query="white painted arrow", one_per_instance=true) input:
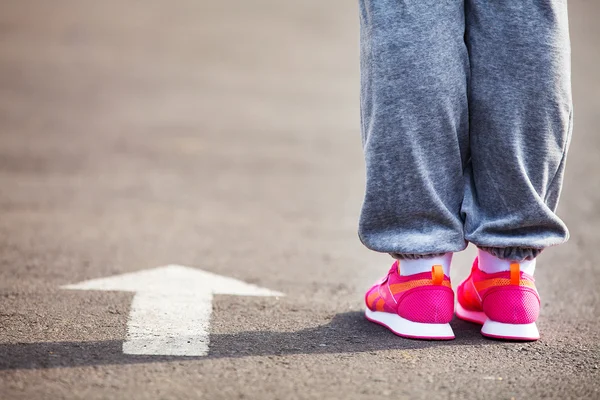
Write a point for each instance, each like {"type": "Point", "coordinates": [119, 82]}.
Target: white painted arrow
{"type": "Point", "coordinates": [170, 313]}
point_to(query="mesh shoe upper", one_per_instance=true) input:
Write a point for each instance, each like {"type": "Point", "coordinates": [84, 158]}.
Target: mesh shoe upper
{"type": "Point", "coordinates": [508, 297]}
{"type": "Point", "coordinates": [425, 297]}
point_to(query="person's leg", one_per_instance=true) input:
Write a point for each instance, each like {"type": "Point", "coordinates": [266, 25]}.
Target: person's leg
{"type": "Point", "coordinates": [520, 127]}
{"type": "Point", "coordinates": [520, 124]}
{"type": "Point", "coordinates": [415, 134]}
{"type": "Point", "coordinates": [414, 119]}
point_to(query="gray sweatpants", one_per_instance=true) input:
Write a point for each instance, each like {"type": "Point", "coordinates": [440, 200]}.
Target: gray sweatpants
{"type": "Point", "coordinates": [466, 116]}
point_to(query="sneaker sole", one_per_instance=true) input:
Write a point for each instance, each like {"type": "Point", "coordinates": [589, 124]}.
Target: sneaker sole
{"type": "Point", "coordinates": [409, 329]}
{"type": "Point", "coordinates": [499, 330]}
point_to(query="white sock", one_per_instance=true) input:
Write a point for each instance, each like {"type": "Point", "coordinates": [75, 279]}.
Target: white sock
{"type": "Point", "coordinates": [420, 265]}
{"type": "Point", "coordinates": [490, 264]}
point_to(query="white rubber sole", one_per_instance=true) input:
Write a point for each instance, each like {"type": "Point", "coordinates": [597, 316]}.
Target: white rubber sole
{"type": "Point", "coordinates": [409, 329]}
{"type": "Point", "coordinates": [499, 330]}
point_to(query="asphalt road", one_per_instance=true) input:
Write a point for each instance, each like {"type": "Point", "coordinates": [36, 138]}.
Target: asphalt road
{"type": "Point", "coordinates": [224, 136]}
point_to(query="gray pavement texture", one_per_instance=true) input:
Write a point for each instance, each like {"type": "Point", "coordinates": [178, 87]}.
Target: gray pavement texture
{"type": "Point", "coordinates": [224, 136]}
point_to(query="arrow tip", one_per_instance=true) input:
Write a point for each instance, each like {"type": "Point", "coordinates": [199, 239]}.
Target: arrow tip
{"type": "Point", "coordinates": [174, 279]}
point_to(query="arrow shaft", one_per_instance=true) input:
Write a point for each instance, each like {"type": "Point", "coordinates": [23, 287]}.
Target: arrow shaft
{"type": "Point", "coordinates": [169, 324]}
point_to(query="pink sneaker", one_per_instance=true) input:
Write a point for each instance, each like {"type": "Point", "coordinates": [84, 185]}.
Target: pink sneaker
{"type": "Point", "coordinates": [417, 306]}
{"type": "Point", "coordinates": [506, 303]}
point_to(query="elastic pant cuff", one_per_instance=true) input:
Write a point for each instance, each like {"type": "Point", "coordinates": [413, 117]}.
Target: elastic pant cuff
{"type": "Point", "coordinates": [402, 256]}
{"type": "Point", "coordinates": [513, 253]}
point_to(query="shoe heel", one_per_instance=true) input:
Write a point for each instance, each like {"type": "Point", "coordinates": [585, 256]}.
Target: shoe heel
{"type": "Point", "coordinates": [499, 330]}
{"type": "Point", "coordinates": [428, 305]}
